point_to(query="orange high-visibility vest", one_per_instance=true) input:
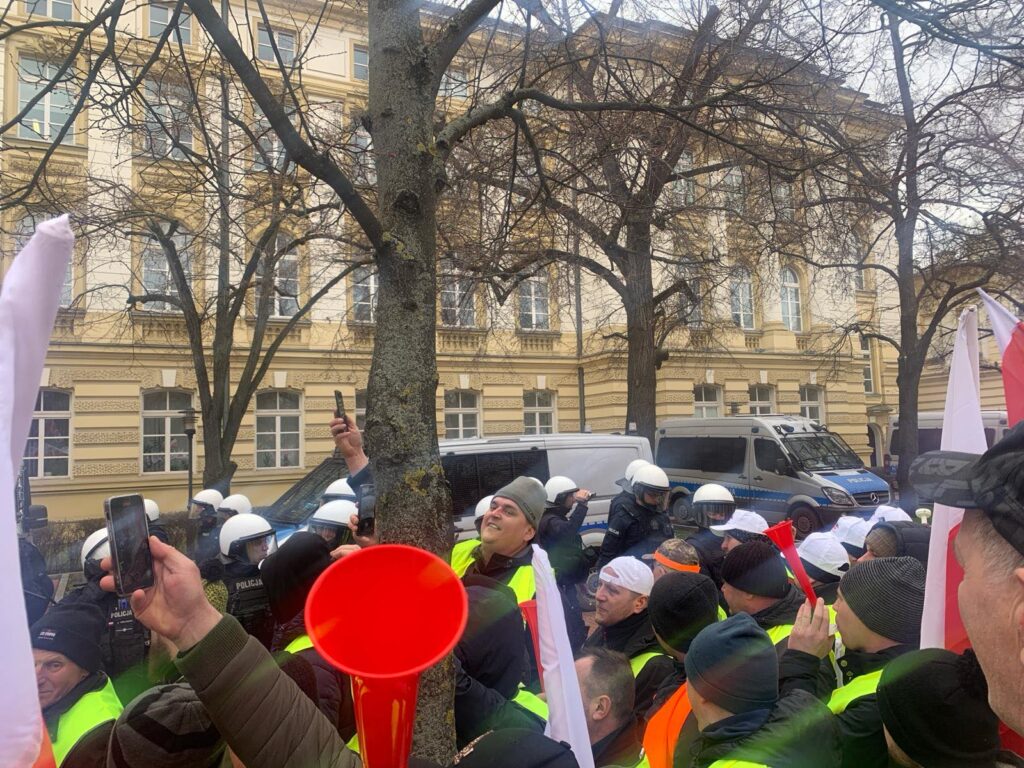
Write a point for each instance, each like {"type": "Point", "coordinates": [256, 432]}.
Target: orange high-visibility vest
{"type": "Point", "coordinates": [663, 729]}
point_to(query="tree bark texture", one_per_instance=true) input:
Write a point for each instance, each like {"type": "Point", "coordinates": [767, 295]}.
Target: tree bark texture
{"type": "Point", "coordinates": [638, 300]}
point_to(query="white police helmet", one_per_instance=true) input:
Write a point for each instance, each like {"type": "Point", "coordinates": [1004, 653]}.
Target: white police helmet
{"type": "Point", "coordinates": [152, 510]}
{"type": "Point", "coordinates": [339, 489]}
{"type": "Point", "coordinates": [557, 487]}
{"type": "Point", "coordinates": [243, 529]}
{"type": "Point", "coordinates": [96, 546]}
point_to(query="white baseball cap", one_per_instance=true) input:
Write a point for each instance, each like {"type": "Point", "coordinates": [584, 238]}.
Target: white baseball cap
{"type": "Point", "coordinates": [851, 532]}
{"type": "Point", "coordinates": [743, 520]}
{"type": "Point", "coordinates": [629, 573]}
{"type": "Point", "coordinates": [887, 514]}
{"type": "Point", "coordinates": [824, 552]}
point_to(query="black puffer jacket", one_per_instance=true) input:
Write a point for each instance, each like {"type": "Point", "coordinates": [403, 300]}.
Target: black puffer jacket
{"type": "Point", "coordinates": [634, 530]}
{"type": "Point", "coordinates": [799, 732]}
{"type": "Point", "coordinates": [709, 549]}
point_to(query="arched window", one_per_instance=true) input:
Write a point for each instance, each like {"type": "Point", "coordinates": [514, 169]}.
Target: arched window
{"type": "Point", "coordinates": [792, 312]}
{"type": "Point", "coordinates": [741, 296]}
{"type": "Point", "coordinates": [48, 446]}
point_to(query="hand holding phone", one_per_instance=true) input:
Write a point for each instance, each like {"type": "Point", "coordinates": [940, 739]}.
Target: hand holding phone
{"type": "Point", "coordinates": [339, 405]}
{"type": "Point", "coordinates": [128, 533]}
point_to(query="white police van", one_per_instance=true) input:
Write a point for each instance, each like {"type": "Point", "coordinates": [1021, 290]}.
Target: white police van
{"type": "Point", "coordinates": [779, 466]}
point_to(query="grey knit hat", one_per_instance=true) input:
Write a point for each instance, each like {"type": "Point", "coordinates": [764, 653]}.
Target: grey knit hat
{"type": "Point", "coordinates": [165, 727]}
{"type": "Point", "coordinates": [528, 494]}
{"type": "Point", "coordinates": [887, 594]}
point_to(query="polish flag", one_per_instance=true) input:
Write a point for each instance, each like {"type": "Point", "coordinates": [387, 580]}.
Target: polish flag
{"type": "Point", "coordinates": [962, 430]}
{"type": "Point", "coordinates": [1009, 333]}
{"type": "Point", "coordinates": [28, 306]}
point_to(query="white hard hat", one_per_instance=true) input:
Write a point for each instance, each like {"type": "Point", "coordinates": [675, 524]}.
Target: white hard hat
{"type": "Point", "coordinates": [558, 486]}
{"type": "Point", "coordinates": [241, 529]}
{"type": "Point", "coordinates": [339, 489]}
{"type": "Point", "coordinates": [652, 477]}
{"type": "Point", "coordinates": [633, 466]}
{"type": "Point", "coordinates": [483, 505]}
{"type": "Point", "coordinates": [743, 520]}
{"type": "Point", "coordinates": [335, 512]}
{"type": "Point", "coordinates": [152, 510]}
{"type": "Point", "coordinates": [209, 498]}
{"type": "Point", "coordinates": [826, 553]}
{"type": "Point", "coordinates": [96, 546]}
{"type": "Point", "coordinates": [237, 504]}
{"type": "Point", "coordinates": [712, 493]}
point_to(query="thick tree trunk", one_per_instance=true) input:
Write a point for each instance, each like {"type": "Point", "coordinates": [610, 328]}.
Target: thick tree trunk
{"type": "Point", "coordinates": [641, 373]}
{"type": "Point", "coordinates": [911, 362]}
{"type": "Point", "coordinates": [413, 503]}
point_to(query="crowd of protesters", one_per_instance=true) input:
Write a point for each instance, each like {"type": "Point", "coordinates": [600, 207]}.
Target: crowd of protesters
{"type": "Point", "coordinates": [702, 653]}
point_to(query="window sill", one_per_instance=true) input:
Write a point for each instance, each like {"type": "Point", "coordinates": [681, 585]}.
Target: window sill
{"type": "Point", "coordinates": [73, 147]}
{"type": "Point", "coordinates": [538, 333]}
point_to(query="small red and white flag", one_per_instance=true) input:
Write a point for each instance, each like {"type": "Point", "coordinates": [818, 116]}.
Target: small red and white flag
{"type": "Point", "coordinates": [962, 430]}
{"type": "Point", "coordinates": [1009, 333]}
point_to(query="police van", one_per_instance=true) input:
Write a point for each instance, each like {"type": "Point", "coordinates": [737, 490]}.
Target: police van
{"type": "Point", "coordinates": [477, 467]}
{"type": "Point", "coordinates": [929, 431]}
{"type": "Point", "coordinates": [778, 466]}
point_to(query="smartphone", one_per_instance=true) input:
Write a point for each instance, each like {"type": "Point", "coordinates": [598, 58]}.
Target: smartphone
{"type": "Point", "coordinates": [128, 532]}
{"type": "Point", "coordinates": [367, 509]}
{"type": "Point", "coordinates": [339, 405]}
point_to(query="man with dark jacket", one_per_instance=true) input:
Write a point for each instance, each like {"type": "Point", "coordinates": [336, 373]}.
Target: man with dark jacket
{"type": "Point", "coordinates": [607, 688]}
{"type": "Point", "coordinates": [755, 582]}
{"type": "Point", "coordinates": [78, 701]}
{"type": "Point", "coordinates": [624, 625]}
{"type": "Point", "coordinates": [641, 524]}
{"type": "Point", "coordinates": [558, 533]}
{"type": "Point", "coordinates": [732, 676]}
{"type": "Point", "coordinates": [711, 504]}
{"type": "Point", "coordinates": [878, 615]}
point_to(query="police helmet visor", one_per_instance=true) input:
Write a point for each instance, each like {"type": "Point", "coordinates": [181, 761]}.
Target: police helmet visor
{"type": "Point", "coordinates": [326, 531]}
{"type": "Point", "coordinates": [255, 549]}
{"type": "Point", "coordinates": [199, 509]}
{"type": "Point", "coordinates": [716, 509]}
{"type": "Point", "coordinates": [224, 514]}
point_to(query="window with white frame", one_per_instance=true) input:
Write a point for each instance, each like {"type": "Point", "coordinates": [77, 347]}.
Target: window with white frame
{"type": "Point", "coordinates": [278, 422]}
{"type": "Point", "coordinates": [55, 9]}
{"type": "Point", "coordinates": [24, 228]}
{"type": "Point", "coordinates": [157, 277]}
{"type": "Point", "coordinates": [160, 15]}
{"type": "Point", "coordinates": [458, 302]}
{"type": "Point", "coordinates": [461, 414]}
{"type": "Point", "coordinates": [684, 188]}
{"type": "Point", "coordinates": [859, 283]}
{"type": "Point", "coordinates": [792, 310]}
{"type": "Point", "coordinates": [360, 413]}
{"type": "Point", "coordinates": [760, 400]}
{"type": "Point", "coordinates": [362, 152]}
{"type": "Point", "coordinates": [868, 369]}
{"type": "Point", "coordinates": [691, 304]}
{"type": "Point", "coordinates": [534, 310]}
{"type": "Point", "coordinates": [168, 128]}
{"type": "Point", "coordinates": [538, 412]}
{"type": "Point", "coordinates": [164, 443]}
{"type": "Point", "coordinates": [707, 401]}
{"type": "Point", "coordinates": [733, 187]}
{"type": "Point", "coordinates": [812, 402]}
{"type": "Point", "coordinates": [285, 281]}
{"type": "Point", "coordinates": [454, 84]}
{"type": "Point", "coordinates": [285, 45]}
{"type": "Point", "coordinates": [364, 295]}
{"type": "Point", "coordinates": [54, 108]}
{"type": "Point", "coordinates": [360, 62]}
{"type": "Point", "coordinates": [268, 152]}
{"type": "Point", "coordinates": [741, 299]}
{"type": "Point", "coordinates": [782, 198]}
{"type": "Point", "coordinates": [47, 451]}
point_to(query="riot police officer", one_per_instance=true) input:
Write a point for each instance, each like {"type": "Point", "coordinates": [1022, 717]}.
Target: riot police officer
{"type": "Point", "coordinates": [203, 508]}
{"type": "Point", "coordinates": [245, 540]}
{"type": "Point", "coordinates": [339, 490]}
{"type": "Point", "coordinates": [156, 528]}
{"type": "Point", "coordinates": [125, 642]}
{"type": "Point", "coordinates": [711, 504]}
{"type": "Point", "coordinates": [641, 525]}
{"type": "Point", "coordinates": [331, 521]}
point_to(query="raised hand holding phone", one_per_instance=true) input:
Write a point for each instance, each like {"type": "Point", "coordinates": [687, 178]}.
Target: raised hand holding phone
{"type": "Point", "coordinates": [128, 534]}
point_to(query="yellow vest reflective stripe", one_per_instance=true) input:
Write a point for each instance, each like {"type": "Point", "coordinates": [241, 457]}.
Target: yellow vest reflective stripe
{"type": "Point", "coordinates": [462, 556]}
{"type": "Point", "coordinates": [300, 643]}
{"type": "Point", "coordinates": [523, 583]}
{"type": "Point", "coordinates": [90, 711]}
{"type": "Point", "coordinates": [780, 633]}
{"type": "Point", "coordinates": [353, 744]}
{"type": "Point", "coordinates": [863, 685]}
{"type": "Point", "coordinates": [722, 615]}
{"type": "Point", "coordinates": [637, 663]}
{"type": "Point", "coordinates": [531, 703]}
{"type": "Point", "coordinates": [727, 763]}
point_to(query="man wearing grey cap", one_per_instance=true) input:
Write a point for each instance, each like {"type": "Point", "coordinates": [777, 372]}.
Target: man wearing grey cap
{"type": "Point", "coordinates": [506, 530]}
{"type": "Point", "coordinates": [990, 547]}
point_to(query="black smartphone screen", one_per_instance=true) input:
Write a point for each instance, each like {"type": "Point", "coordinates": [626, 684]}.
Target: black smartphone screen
{"type": "Point", "coordinates": [128, 531]}
{"type": "Point", "coordinates": [339, 404]}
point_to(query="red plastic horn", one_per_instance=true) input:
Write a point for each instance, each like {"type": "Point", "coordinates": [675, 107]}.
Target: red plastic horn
{"type": "Point", "coordinates": [782, 535]}
{"type": "Point", "coordinates": [529, 609]}
{"type": "Point", "coordinates": [355, 625]}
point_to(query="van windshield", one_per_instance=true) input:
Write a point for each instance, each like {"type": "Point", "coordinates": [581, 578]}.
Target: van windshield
{"type": "Point", "coordinates": [822, 451]}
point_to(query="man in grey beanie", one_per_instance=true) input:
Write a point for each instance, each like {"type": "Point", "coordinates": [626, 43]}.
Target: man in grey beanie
{"type": "Point", "coordinates": [878, 615]}
{"type": "Point", "coordinates": [506, 530]}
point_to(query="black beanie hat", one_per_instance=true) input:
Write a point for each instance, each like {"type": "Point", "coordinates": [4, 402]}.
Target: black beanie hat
{"type": "Point", "coordinates": [734, 664]}
{"type": "Point", "coordinates": [757, 568]}
{"type": "Point", "coordinates": [934, 704]}
{"type": "Point", "coordinates": [681, 605]}
{"type": "Point", "coordinates": [165, 727]}
{"type": "Point", "coordinates": [73, 630]}
{"type": "Point", "coordinates": [289, 573]}
{"type": "Point", "coordinates": [887, 594]}
{"type": "Point", "coordinates": [515, 748]}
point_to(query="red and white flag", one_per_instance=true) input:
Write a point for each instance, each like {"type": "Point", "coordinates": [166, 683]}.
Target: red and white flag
{"type": "Point", "coordinates": [1009, 333]}
{"type": "Point", "coordinates": [28, 305]}
{"type": "Point", "coordinates": [962, 430]}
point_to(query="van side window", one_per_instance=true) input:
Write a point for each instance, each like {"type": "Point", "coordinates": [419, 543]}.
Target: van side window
{"type": "Point", "coordinates": [464, 482]}
{"type": "Point", "coordinates": [473, 476]}
{"type": "Point", "coordinates": [703, 454]}
{"type": "Point", "coordinates": [766, 454]}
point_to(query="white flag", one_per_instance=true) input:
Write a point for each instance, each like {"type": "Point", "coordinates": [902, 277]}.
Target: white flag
{"type": "Point", "coordinates": [566, 720]}
{"type": "Point", "coordinates": [29, 300]}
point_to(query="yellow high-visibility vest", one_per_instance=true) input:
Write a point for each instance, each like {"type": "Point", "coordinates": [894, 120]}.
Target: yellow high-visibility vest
{"type": "Point", "coordinates": [89, 712]}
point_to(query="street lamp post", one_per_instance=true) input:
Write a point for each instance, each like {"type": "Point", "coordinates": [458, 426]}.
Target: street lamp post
{"type": "Point", "coordinates": [189, 415]}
